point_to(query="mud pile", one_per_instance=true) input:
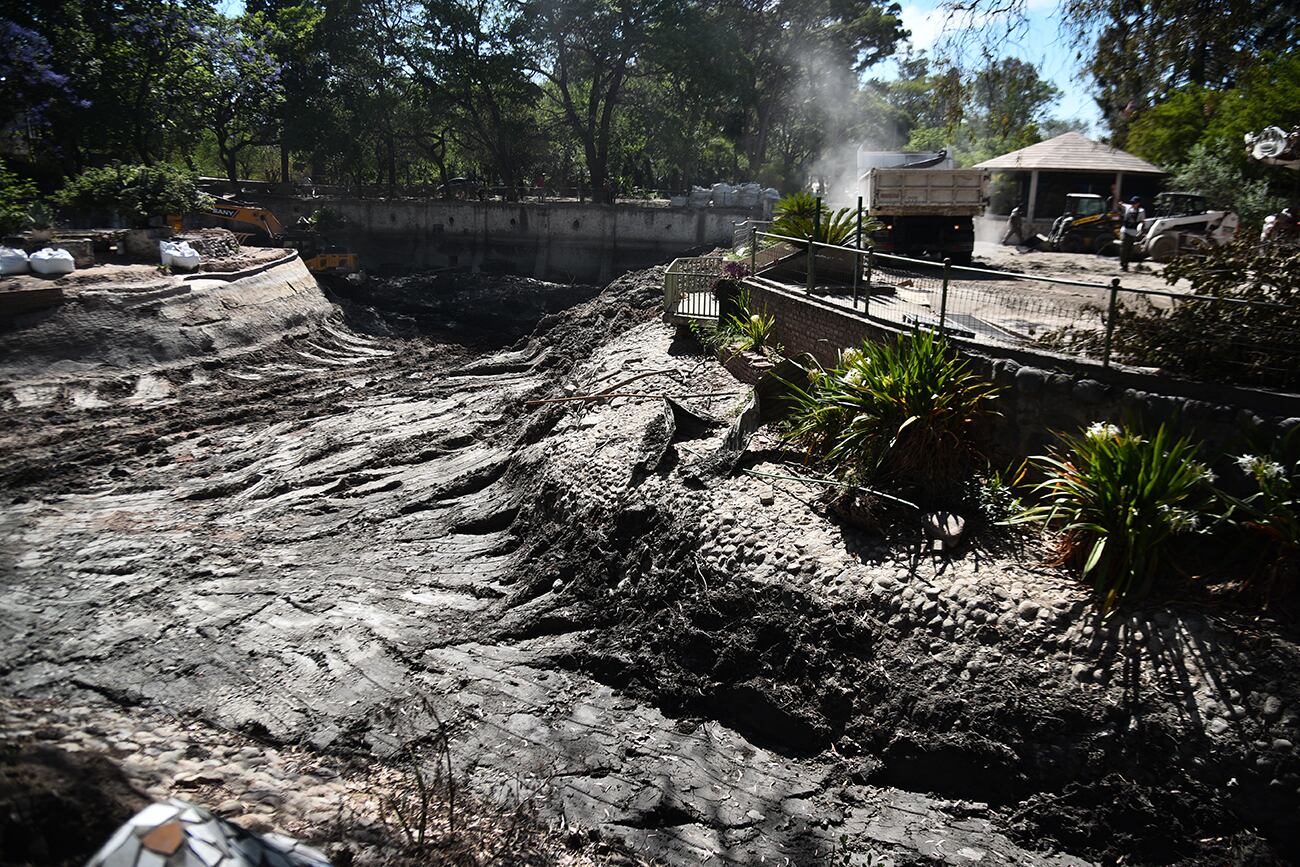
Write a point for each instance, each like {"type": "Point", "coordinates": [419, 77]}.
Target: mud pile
{"type": "Point", "coordinates": [350, 543]}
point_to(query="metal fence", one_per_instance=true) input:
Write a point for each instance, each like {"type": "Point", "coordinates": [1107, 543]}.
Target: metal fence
{"type": "Point", "coordinates": [688, 287]}
{"type": "Point", "coordinates": [1193, 334]}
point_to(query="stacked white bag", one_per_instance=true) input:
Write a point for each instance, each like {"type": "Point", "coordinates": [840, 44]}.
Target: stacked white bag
{"type": "Point", "coordinates": [181, 256]}
{"type": "Point", "coordinates": [12, 261]}
{"type": "Point", "coordinates": [51, 262]}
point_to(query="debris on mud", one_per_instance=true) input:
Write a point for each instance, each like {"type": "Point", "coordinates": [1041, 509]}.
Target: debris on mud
{"type": "Point", "coordinates": [296, 538]}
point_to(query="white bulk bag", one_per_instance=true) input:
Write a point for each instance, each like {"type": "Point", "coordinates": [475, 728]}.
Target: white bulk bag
{"type": "Point", "coordinates": [165, 249]}
{"type": "Point", "coordinates": [699, 197]}
{"type": "Point", "coordinates": [184, 257]}
{"type": "Point", "coordinates": [52, 261]}
{"type": "Point", "coordinates": [12, 261]}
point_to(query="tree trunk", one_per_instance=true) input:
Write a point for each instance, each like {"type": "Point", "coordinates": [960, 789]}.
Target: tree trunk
{"type": "Point", "coordinates": [284, 158]}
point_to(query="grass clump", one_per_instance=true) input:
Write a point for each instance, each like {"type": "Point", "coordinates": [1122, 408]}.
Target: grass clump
{"type": "Point", "coordinates": [1120, 502]}
{"type": "Point", "coordinates": [907, 412]}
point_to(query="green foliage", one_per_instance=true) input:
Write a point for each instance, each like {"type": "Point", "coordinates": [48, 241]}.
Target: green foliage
{"type": "Point", "coordinates": [908, 411]}
{"type": "Point", "coordinates": [795, 217]}
{"type": "Point", "coordinates": [989, 111]}
{"type": "Point", "coordinates": [743, 331]}
{"type": "Point", "coordinates": [326, 220]}
{"type": "Point", "coordinates": [1120, 502]}
{"type": "Point", "coordinates": [1197, 132]}
{"type": "Point", "coordinates": [133, 192]}
{"type": "Point", "coordinates": [1224, 185]}
{"type": "Point", "coordinates": [1273, 506]}
{"type": "Point", "coordinates": [1166, 133]}
{"type": "Point", "coordinates": [16, 197]}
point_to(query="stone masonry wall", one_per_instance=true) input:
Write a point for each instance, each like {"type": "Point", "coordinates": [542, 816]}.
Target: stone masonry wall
{"type": "Point", "coordinates": [1045, 392]}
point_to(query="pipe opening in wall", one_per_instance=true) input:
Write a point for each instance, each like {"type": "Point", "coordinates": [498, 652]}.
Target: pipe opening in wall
{"type": "Point", "coordinates": [512, 221]}
{"type": "Point", "coordinates": [451, 221]}
{"type": "Point", "coordinates": [393, 216]}
{"type": "Point", "coordinates": [577, 224]}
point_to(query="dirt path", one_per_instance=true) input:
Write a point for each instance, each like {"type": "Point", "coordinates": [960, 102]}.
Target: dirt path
{"type": "Point", "coordinates": [308, 542]}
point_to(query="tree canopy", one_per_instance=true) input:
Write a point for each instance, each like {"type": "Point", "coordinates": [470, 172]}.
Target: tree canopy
{"type": "Point", "coordinates": [606, 95]}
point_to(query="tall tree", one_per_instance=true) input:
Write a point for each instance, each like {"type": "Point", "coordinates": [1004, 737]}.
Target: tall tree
{"type": "Point", "coordinates": [587, 50]}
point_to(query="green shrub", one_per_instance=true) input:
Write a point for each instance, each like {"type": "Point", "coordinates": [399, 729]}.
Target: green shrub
{"type": "Point", "coordinates": [16, 196]}
{"type": "Point", "coordinates": [907, 411]}
{"type": "Point", "coordinates": [1120, 502]}
{"type": "Point", "coordinates": [744, 330]}
{"type": "Point", "coordinates": [795, 218]}
{"type": "Point", "coordinates": [135, 193]}
{"type": "Point", "coordinates": [1273, 508]}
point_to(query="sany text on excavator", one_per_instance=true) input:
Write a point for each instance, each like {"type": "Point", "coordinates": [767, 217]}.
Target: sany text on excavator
{"type": "Point", "coordinates": [317, 254]}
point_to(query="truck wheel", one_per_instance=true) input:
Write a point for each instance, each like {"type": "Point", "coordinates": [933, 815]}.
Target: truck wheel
{"type": "Point", "coordinates": [1162, 248]}
{"type": "Point", "coordinates": [959, 258]}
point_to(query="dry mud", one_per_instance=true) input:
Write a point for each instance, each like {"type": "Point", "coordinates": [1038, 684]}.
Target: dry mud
{"type": "Point", "coordinates": [340, 542]}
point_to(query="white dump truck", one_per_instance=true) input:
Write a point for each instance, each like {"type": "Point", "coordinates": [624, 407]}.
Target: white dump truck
{"type": "Point", "coordinates": [926, 206]}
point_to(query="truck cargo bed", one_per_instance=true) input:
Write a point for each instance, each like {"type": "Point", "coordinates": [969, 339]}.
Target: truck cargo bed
{"type": "Point", "coordinates": [924, 192]}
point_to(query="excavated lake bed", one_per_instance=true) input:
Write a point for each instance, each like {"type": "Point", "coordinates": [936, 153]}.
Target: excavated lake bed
{"type": "Point", "coordinates": [256, 544]}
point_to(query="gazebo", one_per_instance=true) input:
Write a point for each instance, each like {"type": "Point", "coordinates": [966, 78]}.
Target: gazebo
{"type": "Point", "coordinates": [1042, 174]}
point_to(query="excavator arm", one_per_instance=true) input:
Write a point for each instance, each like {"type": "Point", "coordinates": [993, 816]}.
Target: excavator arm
{"type": "Point", "coordinates": [233, 212]}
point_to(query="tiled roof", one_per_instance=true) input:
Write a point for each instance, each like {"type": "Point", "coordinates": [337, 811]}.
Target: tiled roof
{"type": "Point", "coordinates": [1071, 152]}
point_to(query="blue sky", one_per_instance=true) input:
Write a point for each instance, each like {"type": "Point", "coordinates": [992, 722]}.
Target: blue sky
{"type": "Point", "coordinates": [1043, 42]}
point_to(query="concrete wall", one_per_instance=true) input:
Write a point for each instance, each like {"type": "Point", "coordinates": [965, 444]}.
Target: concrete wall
{"type": "Point", "coordinates": [567, 241]}
{"type": "Point", "coordinates": [1047, 392]}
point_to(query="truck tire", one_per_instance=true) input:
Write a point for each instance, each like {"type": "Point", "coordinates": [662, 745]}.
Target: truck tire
{"type": "Point", "coordinates": [1163, 247]}
{"type": "Point", "coordinates": [960, 258]}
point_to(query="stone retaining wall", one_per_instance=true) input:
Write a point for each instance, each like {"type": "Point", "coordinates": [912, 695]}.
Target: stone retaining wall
{"type": "Point", "coordinates": [1047, 392]}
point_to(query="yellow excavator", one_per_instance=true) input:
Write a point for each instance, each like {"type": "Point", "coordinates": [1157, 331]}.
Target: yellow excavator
{"type": "Point", "coordinates": [316, 253]}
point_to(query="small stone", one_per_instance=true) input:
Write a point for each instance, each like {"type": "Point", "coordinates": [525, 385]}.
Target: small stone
{"type": "Point", "coordinates": [1282, 745]}
{"type": "Point", "coordinates": [558, 584]}
{"type": "Point", "coordinates": [767, 498]}
{"type": "Point", "coordinates": [1027, 610]}
{"type": "Point", "coordinates": [945, 527]}
{"type": "Point", "coordinates": [1272, 708]}
{"type": "Point", "coordinates": [1217, 726]}
{"type": "Point", "coordinates": [201, 778]}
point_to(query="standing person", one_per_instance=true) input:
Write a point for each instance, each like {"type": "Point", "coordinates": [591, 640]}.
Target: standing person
{"type": "Point", "coordinates": [1015, 226]}
{"type": "Point", "coordinates": [1130, 229]}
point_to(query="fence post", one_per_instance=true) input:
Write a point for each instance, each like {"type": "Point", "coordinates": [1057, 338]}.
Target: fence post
{"type": "Point", "coordinates": [753, 248]}
{"type": "Point", "coordinates": [812, 245]}
{"type": "Point", "coordinates": [943, 295]}
{"type": "Point", "coordinates": [871, 260]}
{"type": "Point", "coordinates": [857, 257]}
{"type": "Point", "coordinates": [1110, 320]}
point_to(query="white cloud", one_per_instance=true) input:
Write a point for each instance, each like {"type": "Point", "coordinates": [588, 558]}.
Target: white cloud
{"type": "Point", "coordinates": [926, 25]}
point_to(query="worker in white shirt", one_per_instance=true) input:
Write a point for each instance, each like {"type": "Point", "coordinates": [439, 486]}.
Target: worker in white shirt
{"type": "Point", "coordinates": [1130, 229]}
